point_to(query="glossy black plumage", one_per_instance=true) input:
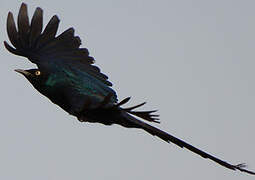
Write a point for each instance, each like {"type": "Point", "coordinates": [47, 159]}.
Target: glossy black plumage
{"type": "Point", "coordinates": [67, 76]}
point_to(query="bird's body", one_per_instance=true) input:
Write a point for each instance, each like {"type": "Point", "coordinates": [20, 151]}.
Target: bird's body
{"type": "Point", "coordinates": [67, 76]}
{"type": "Point", "coordinates": [75, 89]}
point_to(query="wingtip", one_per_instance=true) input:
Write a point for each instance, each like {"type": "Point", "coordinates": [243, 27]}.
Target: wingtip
{"type": "Point", "coordinates": [38, 9]}
{"type": "Point", "coordinates": [9, 15]}
{"type": "Point", "coordinates": [23, 8]}
{"type": "Point", "coordinates": [23, 23]}
{"type": "Point", "coordinates": [10, 18]}
{"type": "Point", "coordinates": [38, 12]}
{"type": "Point", "coordinates": [55, 18]}
{"type": "Point", "coordinates": [10, 48]}
{"type": "Point", "coordinates": [36, 26]}
{"type": "Point", "coordinates": [23, 4]}
{"type": "Point", "coordinates": [11, 29]}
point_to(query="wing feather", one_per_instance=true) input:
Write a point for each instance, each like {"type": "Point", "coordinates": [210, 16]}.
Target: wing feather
{"type": "Point", "coordinates": [12, 30]}
{"type": "Point", "coordinates": [23, 25]}
{"type": "Point", "coordinates": [49, 32]}
{"type": "Point", "coordinates": [45, 48]}
{"type": "Point", "coordinates": [36, 27]}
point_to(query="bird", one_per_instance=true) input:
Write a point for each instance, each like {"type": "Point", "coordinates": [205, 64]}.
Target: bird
{"type": "Point", "coordinates": [68, 76]}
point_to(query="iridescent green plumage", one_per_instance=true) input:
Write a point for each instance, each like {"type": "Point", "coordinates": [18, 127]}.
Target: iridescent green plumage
{"type": "Point", "coordinates": [82, 82]}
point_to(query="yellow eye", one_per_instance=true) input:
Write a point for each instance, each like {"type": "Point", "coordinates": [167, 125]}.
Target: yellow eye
{"type": "Point", "coordinates": [37, 73]}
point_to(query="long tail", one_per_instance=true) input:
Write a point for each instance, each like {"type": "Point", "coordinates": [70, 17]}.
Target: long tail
{"type": "Point", "coordinates": [124, 117]}
{"type": "Point", "coordinates": [128, 120]}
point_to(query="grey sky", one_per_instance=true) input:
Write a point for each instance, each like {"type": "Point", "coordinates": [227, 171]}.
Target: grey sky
{"type": "Point", "coordinates": [192, 60]}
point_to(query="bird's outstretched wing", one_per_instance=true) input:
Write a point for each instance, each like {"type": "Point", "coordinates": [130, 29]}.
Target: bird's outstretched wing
{"type": "Point", "coordinates": [47, 50]}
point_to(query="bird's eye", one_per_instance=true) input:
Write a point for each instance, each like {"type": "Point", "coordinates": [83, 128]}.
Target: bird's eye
{"type": "Point", "coordinates": [37, 73]}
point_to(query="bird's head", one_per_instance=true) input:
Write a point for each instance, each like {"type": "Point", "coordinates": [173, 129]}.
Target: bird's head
{"type": "Point", "coordinates": [35, 76]}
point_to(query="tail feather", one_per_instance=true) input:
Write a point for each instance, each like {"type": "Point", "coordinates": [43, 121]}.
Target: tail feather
{"type": "Point", "coordinates": [146, 115]}
{"type": "Point", "coordinates": [134, 107]}
{"type": "Point", "coordinates": [117, 115]}
{"type": "Point", "coordinates": [171, 139]}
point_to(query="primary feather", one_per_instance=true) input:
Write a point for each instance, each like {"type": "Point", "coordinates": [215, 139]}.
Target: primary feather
{"type": "Point", "coordinates": [67, 76]}
{"type": "Point", "coordinates": [45, 49]}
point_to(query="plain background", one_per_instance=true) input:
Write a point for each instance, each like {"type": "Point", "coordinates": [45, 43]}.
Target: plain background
{"type": "Point", "coordinates": [192, 60]}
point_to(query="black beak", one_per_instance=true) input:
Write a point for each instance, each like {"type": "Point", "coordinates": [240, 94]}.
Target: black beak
{"type": "Point", "coordinates": [21, 71]}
